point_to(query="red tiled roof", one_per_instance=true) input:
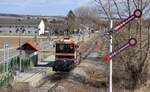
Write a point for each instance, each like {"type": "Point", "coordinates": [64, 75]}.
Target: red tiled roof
{"type": "Point", "coordinates": [34, 45]}
{"type": "Point", "coordinates": [30, 46]}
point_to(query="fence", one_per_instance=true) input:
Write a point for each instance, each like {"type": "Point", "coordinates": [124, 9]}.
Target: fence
{"type": "Point", "coordinates": [7, 69]}
{"type": "Point", "coordinates": [6, 72]}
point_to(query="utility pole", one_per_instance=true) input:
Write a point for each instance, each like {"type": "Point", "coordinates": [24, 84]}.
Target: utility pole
{"type": "Point", "coordinates": [110, 47]}
{"type": "Point", "coordinates": [20, 41]}
{"type": "Point", "coordinates": [20, 50]}
{"type": "Point", "coordinates": [36, 33]}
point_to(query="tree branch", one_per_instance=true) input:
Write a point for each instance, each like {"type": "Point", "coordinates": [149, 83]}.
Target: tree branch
{"type": "Point", "coordinates": [101, 4]}
{"type": "Point", "coordinates": [118, 13]}
{"type": "Point", "coordinates": [135, 4]}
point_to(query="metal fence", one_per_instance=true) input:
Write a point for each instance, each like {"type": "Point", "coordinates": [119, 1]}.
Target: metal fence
{"type": "Point", "coordinates": [9, 66]}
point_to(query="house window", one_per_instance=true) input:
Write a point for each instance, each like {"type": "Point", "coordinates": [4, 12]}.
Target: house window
{"type": "Point", "coordinates": [35, 27]}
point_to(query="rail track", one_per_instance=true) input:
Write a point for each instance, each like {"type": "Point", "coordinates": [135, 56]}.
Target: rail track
{"type": "Point", "coordinates": [51, 82]}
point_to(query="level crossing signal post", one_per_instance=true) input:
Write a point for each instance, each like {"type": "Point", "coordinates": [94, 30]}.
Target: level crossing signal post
{"type": "Point", "coordinates": [131, 42]}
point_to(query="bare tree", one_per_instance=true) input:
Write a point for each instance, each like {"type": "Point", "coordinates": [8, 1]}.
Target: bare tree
{"type": "Point", "coordinates": [70, 22]}
{"type": "Point", "coordinates": [131, 66]}
{"type": "Point", "coordinates": [88, 16]}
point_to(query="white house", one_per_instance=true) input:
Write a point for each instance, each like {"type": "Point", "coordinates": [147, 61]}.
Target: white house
{"type": "Point", "coordinates": [41, 27]}
{"type": "Point", "coordinates": [13, 26]}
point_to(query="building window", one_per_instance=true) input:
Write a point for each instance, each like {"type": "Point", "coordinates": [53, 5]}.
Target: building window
{"type": "Point", "coordinates": [9, 26]}
{"type": "Point", "coordinates": [17, 30]}
{"type": "Point", "coordinates": [28, 32]}
{"type": "Point", "coordinates": [35, 27]}
{"type": "Point", "coordinates": [10, 31]}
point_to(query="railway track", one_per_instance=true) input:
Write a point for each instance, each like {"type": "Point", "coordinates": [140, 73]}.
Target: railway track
{"type": "Point", "coordinates": [52, 81]}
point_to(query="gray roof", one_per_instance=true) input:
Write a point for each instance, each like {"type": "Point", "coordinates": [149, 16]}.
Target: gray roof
{"type": "Point", "coordinates": [21, 22]}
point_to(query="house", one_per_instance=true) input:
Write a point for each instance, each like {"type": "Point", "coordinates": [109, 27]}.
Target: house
{"type": "Point", "coordinates": [13, 26]}
{"type": "Point", "coordinates": [30, 50]}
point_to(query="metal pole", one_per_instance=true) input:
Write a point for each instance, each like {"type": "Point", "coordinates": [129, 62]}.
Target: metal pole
{"type": "Point", "coordinates": [4, 60]}
{"type": "Point", "coordinates": [37, 34]}
{"type": "Point", "coordinates": [8, 59]}
{"type": "Point", "coordinates": [19, 29]}
{"type": "Point", "coordinates": [20, 49]}
{"type": "Point", "coordinates": [110, 47]}
{"type": "Point", "coordinates": [110, 50]}
{"type": "Point", "coordinates": [35, 37]}
{"type": "Point", "coordinates": [50, 35]}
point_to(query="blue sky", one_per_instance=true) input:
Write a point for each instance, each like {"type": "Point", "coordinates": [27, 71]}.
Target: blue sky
{"type": "Point", "coordinates": [41, 7]}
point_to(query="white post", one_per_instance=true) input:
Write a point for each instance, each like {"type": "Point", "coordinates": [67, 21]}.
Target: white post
{"type": "Point", "coordinates": [110, 49]}
{"type": "Point", "coordinates": [7, 58]}
{"type": "Point", "coordinates": [4, 59]}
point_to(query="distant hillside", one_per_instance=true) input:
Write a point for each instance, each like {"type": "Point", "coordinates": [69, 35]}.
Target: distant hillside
{"type": "Point", "coordinates": [20, 15]}
{"type": "Point", "coordinates": [15, 15]}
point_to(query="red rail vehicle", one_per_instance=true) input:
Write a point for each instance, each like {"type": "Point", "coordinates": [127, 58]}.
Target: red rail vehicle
{"type": "Point", "coordinates": [67, 55]}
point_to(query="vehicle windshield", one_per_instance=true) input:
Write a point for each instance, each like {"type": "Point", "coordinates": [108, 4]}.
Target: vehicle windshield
{"type": "Point", "coordinates": [64, 48]}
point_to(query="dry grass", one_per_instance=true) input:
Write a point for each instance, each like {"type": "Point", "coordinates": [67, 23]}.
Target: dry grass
{"type": "Point", "coordinates": [18, 87]}
{"type": "Point", "coordinates": [71, 86]}
{"type": "Point", "coordinates": [13, 41]}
